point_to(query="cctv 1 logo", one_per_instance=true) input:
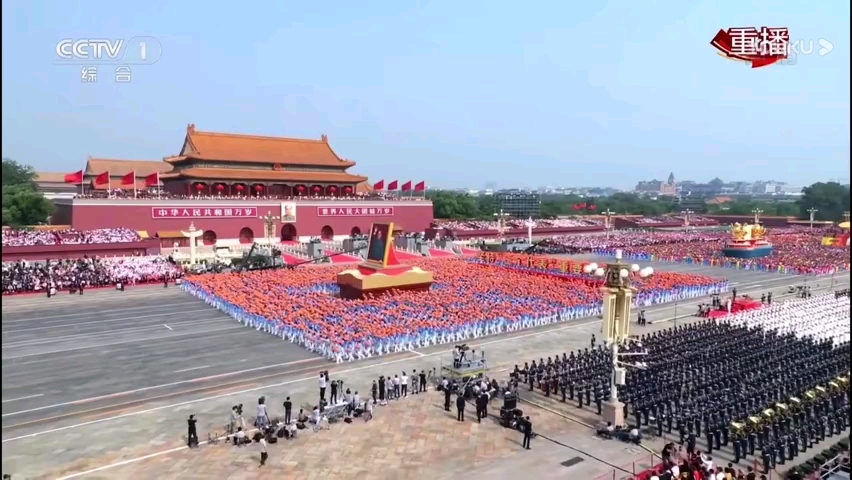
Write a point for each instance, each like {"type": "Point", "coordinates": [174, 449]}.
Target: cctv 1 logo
{"type": "Point", "coordinates": [94, 51]}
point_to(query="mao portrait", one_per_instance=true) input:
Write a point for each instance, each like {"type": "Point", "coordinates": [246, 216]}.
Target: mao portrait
{"type": "Point", "coordinates": [379, 238]}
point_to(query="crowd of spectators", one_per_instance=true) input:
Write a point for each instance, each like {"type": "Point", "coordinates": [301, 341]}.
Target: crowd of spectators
{"type": "Point", "coordinates": [801, 254]}
{"type": "Point", "coordinates": [119, 194]}
{"type": "Point", "coordinates": [470, 225]}
{"type": "Point", "coordinates": [653, 220]}
{"type": "Point", "coordinates": [29, 277]}
{"type": "Point", "coordinates": [28, 238]}
{"type": "Point", "coordinates": [469, 299]}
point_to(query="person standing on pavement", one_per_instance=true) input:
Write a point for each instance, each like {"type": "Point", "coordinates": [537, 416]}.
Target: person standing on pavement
{"type": "Point", "coordinates": [288, 410]}
{"type": "Point", "coordinates": [264, 455]}
{"type": "Point", "coordinates": [460, 407]}
{"type": "Point", "coordinates": [527, 429]}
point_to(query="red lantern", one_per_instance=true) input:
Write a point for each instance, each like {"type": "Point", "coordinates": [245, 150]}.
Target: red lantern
{"type": "Point", "coordinates": [240, 188]}
{"type": "Point", "coordinates": [317, 188]}
{"type": "Point", "coordinates": [199, 186]}
{"type": "Point", "coordinates": [300, 188]}
{"type": "Point", "coordinates": [220, 187]}
{"type": "Point", "coordinates": [332, 188]}
{"type": "Point", "coordinates": [347, 189]}
{"type": "Point", "coordinates": [258, 188]}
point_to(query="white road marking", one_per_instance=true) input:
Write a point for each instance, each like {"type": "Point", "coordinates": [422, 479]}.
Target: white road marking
{"type": "Point", "coordinates": [23, 398]}
{"type": "Point", "coordinates": [80, 314]}
{"type": "Point", "coordinates": [144, 389]}
{"type": "Point", "coordinates": [191, 369]}
{"type": "Point", "coordinates": [111, 320]}
{"type": "Point", "coordinates": [170, 328]}
{"type": "Point", "coordinates": [123, 342]}
{"type": "Point", "coordinates": [416, 353]}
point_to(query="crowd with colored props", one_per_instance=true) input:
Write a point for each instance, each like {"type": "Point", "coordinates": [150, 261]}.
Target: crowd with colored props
{"type": "Point", "coordinates": [29, 277]}
{"type": "Point", "coordinates": [469, 299]}
{"type": "Point", "coordinates": [28, 238]}
{"type": "Point", "coordinates": [797, 253]}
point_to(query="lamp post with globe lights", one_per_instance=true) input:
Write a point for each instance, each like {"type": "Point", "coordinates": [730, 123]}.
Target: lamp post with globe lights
{"type": "Point", "coordinates": [617, 300]}
{"type": "Point", "coordinates": [269, 225]}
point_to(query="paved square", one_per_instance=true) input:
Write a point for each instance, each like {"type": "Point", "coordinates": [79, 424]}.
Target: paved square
{"type": "Point", "coordinates": [124, 423]}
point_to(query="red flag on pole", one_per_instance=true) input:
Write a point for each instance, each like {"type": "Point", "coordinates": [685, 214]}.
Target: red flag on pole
{"type": "Point", "coordinates": [392, 186]}
{"type": "Point", "coordinates": [102, 179]}
{"type": "Point", "coordinates": [153, 180]}
{"type": "Point", "coordinates": [420, 187]}
{"type": "Point", "coordinates": [76, 178]}
{"type": "Point", "coordinates": [406, 186]}
{"type": "Point", "coordinates": [129, 179]}
{"type": "Point", "coordinates": [379, 186]}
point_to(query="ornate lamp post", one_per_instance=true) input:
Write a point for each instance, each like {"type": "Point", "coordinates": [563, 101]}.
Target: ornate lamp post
{"type": "Point", "coordinates": [607, 221]}
{"type": "Point", "coordinates": [501, 223]}
{"type": "Point", "coordinates": [811, 214]}
{"type": "Point", "coordinates": [757, 212]}
{"type": "Point", "coordinates": [686, 213]}
{"type": "Point", "coordinates": [269, 224]}
{"type": "Point", "coordinates": [617, 300]}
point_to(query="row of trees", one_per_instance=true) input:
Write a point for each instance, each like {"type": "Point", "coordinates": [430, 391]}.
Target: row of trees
{"type": "Point", "coordinates": [830, 200]}
{"type": "Point", "coordinates": [23, 203]}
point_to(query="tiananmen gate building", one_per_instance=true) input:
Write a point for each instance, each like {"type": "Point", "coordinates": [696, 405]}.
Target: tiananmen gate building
{"type": "Point", "coordinates": [229, 184]}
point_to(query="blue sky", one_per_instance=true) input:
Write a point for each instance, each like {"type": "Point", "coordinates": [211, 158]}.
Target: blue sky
{"type": "Point", "coordinates": [454, 93]}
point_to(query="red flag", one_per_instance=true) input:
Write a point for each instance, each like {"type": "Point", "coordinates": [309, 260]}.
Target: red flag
{"type": "Point", "coordinates": [394, 185]}
{"type": "Point", "coordinates": [76, 178]}
{"type": "Point", "coordinates": [153, 180]}
{"type": "Point", "coordinates": [129, 179]}
{"type": "Point", "coordinates": [102, 179]}
{"type": "Point", "coordinates": [420, 187]}
{"type": "Point", "coordinates": [582, 206]}
{"type": "Point", "coordinates": [593, 207]}
{"type": "Point", "coordinates": [406, 187]}
{"type": "Point", "coordinates": [378, 186]}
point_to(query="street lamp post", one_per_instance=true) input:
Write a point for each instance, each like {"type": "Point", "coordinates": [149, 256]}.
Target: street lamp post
{"type": "Point", "coordinates": [812, 213]}
{"type": "Point", "coordinates": [269, 224]}
{"type": "Point", "coordinates": [756, 212]}
{"type": "Point", "coordinates": [686, 213]}
{"type": "Point", "coordinates": [617, 300]}
{"type": "Point", "coordinates": [530, 224]}
{"type": "Point", "coordinates": [607, 217]}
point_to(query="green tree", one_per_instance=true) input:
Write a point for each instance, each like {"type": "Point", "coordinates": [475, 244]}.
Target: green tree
{"type": "Point", "coordinates": [23, 204]}
{"type": "Point", "coordinates": [455, 206]}
{"type": "Point", "coordinates": [830, 200]}
{"type": "Point", "coordinates": [15, 173]}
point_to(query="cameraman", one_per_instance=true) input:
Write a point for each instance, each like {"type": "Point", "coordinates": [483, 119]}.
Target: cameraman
{"type": "Point", "coordinates": [192, 435]}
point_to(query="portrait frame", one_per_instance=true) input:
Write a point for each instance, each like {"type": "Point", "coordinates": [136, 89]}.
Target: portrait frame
{"type": "Point", "coordinates": [377, 255]}
{"type": "Point", "coordinates": [288, 212]}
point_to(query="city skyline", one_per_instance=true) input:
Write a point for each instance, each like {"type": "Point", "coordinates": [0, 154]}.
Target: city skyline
{"type": "Point", "coordinates": [584, 93]}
